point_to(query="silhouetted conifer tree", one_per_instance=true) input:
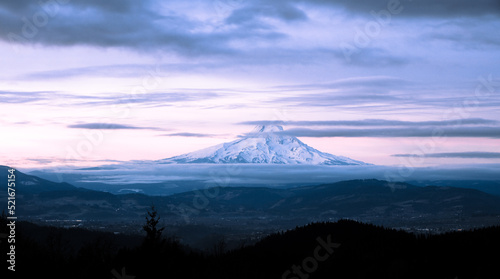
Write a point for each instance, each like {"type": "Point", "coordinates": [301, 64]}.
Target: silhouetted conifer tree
{"type": "Point", "coordinates": [153, 233]}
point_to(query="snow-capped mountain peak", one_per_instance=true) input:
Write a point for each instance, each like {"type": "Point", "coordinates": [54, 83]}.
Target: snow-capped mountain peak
{"type": "Point", "coordinates": [266, 144]}
{"type": "Point", "coordinates": [268, 129]}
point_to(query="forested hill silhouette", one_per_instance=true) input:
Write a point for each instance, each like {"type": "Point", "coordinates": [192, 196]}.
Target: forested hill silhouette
{"type": "Point", "coordinates": [367, 251]}
{"type": "Point", "coordinates": [344, 249]}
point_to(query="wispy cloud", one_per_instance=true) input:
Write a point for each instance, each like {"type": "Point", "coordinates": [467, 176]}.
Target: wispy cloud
{"type": "Point", "coordinates": [249, 14]}
{"type": "Point", "coordinates": [149, 99]}
{"type": "Point", "coordinates": [377, 122]}
{"type": "Point", "coordinates": [464, 34]}
{"type": "Point", "coordinates": [68, 161]}
{"type": "Point", "coordinates": [469, 132]}
{"type": "Point", "coordinates": [15, 97]}
{"type": "Point", "coordinates": [373, 57]}
{"type": "Point", "coordinates": [467, 127]}
{"type": "Point", "coordinates": [463, 155]}
{"type": "Point", "coordinates": [385, 94]}
{"type": "Point", "coordinates": [128, 70]}
{"type": "Point", "coordinates": [108, 126]}
{"type": "Point", "coordinates": [195, 135]}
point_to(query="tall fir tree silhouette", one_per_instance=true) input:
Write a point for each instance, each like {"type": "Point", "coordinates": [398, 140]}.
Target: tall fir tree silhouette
{"type": "Point", "coordinates": [153, 233]}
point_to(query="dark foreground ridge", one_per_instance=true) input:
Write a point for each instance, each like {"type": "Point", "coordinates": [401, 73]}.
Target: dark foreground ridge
{"type": "Point", "coordinates": [344, 249]}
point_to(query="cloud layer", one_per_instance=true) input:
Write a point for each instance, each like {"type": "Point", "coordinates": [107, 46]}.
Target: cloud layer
{"type": "Point", "coordinates": [467, 127]}
{"type": "Point", "coordinates": [372, 71]}
{"type": "Point", "coordinates": [187, 134]}
{"type": "Point", "coordinates": [377, 122]}
{"type": "Point", "coordinates": [467, 132]}
{"type": "Point", "coordinates": [424, 8]}
{"type": "Point", "coordinates": [154, 25]}
{"type": "Point", "coordinates": [462, 155]}
{"type": "Point", "coordinates": [144, 25]}
{"type": "Point", "coordinates": [107, 126]}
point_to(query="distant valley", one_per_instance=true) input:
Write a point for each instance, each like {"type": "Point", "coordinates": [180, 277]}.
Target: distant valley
{"type": "Point", "coordinates": [247, 211]}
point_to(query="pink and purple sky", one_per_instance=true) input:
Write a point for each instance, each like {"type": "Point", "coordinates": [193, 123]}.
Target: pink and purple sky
{"type": "Point", "coordinates": [96, 82]}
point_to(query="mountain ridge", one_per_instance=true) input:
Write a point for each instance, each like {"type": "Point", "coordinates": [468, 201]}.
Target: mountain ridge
{"type": "Point", "coordinates": [369, 200]}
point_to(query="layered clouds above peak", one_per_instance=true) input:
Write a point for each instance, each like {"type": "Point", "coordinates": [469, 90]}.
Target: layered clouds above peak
{"type": "Point", "coordinates": [378, 122]}
{"type": "Point", "coordinates": [463, 128]}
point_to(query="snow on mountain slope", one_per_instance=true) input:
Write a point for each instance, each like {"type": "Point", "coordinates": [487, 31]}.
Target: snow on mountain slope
{"type": "Point", "coordinates": [265, 145]}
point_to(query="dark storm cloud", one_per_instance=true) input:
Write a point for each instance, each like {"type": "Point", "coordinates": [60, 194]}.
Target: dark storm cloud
{"type": "Point", "coordinates": [438, 132]}
{"type": "Point", "coordinates": [462, 155]}
{"type": "Point", "coordinates": [108, 126]}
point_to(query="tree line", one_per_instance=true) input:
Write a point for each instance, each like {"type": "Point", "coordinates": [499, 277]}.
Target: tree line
{"type": "Point", "coordinates": [342, 249]}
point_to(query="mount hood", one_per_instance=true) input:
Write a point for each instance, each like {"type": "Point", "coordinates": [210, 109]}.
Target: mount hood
{"type": "Point", "coordinates": [265, 145]}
